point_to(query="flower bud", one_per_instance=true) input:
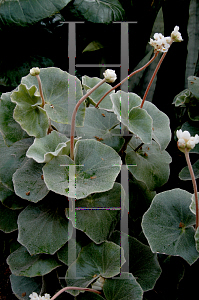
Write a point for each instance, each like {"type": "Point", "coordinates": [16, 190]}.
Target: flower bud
{"type": "Point", "coordinates": [176, 35]}
{"type": "Point", "coordinates": [110, 75]}
{"type": "Point", "coordinates": [34, 296]}
{"type": "Point", "coordinates": [34, 71]}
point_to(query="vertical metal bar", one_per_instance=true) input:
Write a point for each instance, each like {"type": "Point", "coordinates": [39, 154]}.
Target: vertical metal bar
{"type": "Point", "coordinates": [124, 54]}
{"type": "Point", "coordinates": [71, 46]}
{"type": "Point", "coordinates": [124, 218]}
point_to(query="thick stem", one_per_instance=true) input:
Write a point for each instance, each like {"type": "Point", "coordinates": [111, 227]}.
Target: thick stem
{"type": "Point", "coordinates": [194, 183]}
{"type": "Point", "coordinates": [133, 73]}
{"type": "Point", "coordinates": [73, 288]}
{"type": "Point", "coordinates": [40, 90]}
{"type": "Point", "coordinates": [72, 131]}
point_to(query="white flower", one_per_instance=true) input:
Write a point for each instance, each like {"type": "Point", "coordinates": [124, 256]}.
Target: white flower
{"type": "Point", "coordinates": [34, 71]}
{"type": "Point", "coordinates": [46, 297]}
{"type": "Point", "coordinates": [110, 75]}
{"type": "Point", "coordinates": [34, 296]}
{"type": "Point", "coordinates": [176, 35]}
{"type": "Point", "coordinates": [185, 140]}
{"type": "Point", "coordinates": [185, 135]}
{"type": "Point", "coordinates": [160, 43]}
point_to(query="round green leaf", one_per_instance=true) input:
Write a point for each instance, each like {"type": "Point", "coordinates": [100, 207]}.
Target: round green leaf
{"type": "Point", "coordinates": [107, 258]}
{"type": "Point", "coordinates": [193, 85]}
{"type": "Point", "coordinates": [138, 121]}
{"type": "Point", "coordinates": [66, 251]}
{"type": "Point", "coordinates": [100, 125]}
{"type": "Point", "coordinates": [143, 264]}
{"type": "Point", "coordinates": [100, 11]}
{"type": "Point", "coordinates": [104, 208]}
{"type": "Point", "coordinates": [59, 90]}
{"type": "Point", "coordinates": [28, 112]}
{"type": "Point", "coordinates": [22, 12]}
{"type": "Point", "coordinates": [185, 174]}
{"type": "Point", "coordinates": [182, 98]}
{"type": "Point", "coordinates": [10, 199]}
{"type": "Point", "coordinates": [123, 287]}
{"type": "Point", "coordinates": [44, 149]}
{"type": "Point", "coordinates": [89, 82]}
{"type": "Point", "coordinates": [161, 132]}
{"type": "Point", "coordinates": [21, 263]}
{"type": "Point", "coordinates": [11, 158]}
{"type": "Point", "coordinates": [11, 130]}
{"type": "Point", "coordinates": [97, 166]}
{"type": "Point", "coordinates": [123, 103]}
{"type": "Point", "coordinates": [14, 202]}
{"type": "Point", "coordinates": [28, 181]}
{"type": "Point", "coordinates": [22, 286]}
{"type": "Point", "coordinates": [62, 128]}
{"type": "Point", "coordinates": [56, 174]}
{"type": "Point", "coordinates": [8, 219]}
{"type": "Point", "coordinates": [150, 165]}
{"type": "Point", "coordinates": [4, 192]}
{"type": "Point", "coordinates": [52, 228]}
{"type": "Point", "coordinates": [167, 225]}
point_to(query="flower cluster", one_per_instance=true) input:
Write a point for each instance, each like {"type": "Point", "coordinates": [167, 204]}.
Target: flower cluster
{"type": "Point", "coordinates": [162, 44]}
{"type": "Point", "coordinates": [34, 296]}
{"type": "Point", "coordinates": [98, 284]}
{"type": "Point", "coordinates": [110, 75]}
{"type": "Point", "coordinates": [185, 140]}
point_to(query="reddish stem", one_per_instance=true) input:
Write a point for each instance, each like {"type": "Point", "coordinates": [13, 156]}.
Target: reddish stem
{"type": "Point", "coordinates": [152, 78]}
{"type": "Point", "coordinates": [129, 76]}
{"type": "Point", "coordinates": [72, 132]}
{"type": "Point", "coordinates": [73, 288]}
{"type": "Point", "coordinates": [194, 183]}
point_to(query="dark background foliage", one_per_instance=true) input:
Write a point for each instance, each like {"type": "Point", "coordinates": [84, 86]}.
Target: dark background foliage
{"type": "Point", "coordinates": [45, 44]}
